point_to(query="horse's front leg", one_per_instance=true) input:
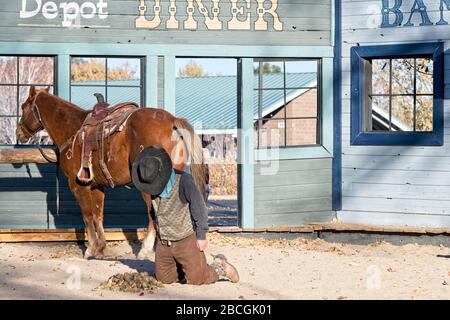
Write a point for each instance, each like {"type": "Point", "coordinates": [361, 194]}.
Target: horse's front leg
{"type": "Point", "coordinates": [149, 242]}
{"type": "Point", "coordinates": [98, 201]}
{"type": "Point", "coordinates": [83, 194]}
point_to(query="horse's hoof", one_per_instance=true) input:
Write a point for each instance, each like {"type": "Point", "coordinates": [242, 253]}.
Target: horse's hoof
{"type": "Point", "coordinates": [100, 248]}
{"type": "Point", "coordinates": [144, 253]}
{"type": "Point", "coordinates": [147, 248]}
{"type": "Point", "coordinates": [88, 254]}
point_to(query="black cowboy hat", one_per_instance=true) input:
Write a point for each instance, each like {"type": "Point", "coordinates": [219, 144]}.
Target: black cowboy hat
{"type": "Point", "coordinates": [151, 170]}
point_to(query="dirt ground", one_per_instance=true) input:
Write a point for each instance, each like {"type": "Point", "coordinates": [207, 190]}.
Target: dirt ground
{"type": "Point", "coordinates": [269, 269]}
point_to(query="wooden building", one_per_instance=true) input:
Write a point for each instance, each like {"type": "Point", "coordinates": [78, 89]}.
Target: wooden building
{"type": "Point", "coordinates": [366, 143]}
{"type": "Point", "coordinates": [395, 167]}
{"type": "Point", "coordinates": [290, 185]}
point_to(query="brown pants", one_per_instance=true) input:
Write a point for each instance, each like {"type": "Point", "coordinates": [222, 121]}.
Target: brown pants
{"type": "Point", "coordinates": [192, 261]}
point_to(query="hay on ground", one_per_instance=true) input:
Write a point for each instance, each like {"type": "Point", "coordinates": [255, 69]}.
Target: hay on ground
{"type": "Point", "coordinates": [131, 282]}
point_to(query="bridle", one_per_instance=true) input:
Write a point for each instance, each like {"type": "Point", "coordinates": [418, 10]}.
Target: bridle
{"type": "Point", "coordinates": [34, 111]}
{"type": "Point", "coordinates": [37, 116]}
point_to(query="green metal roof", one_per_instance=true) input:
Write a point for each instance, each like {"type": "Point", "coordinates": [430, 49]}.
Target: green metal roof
{"type": "Point", "coordinates": [207, 102]}
{"type": "Point", "coordinates": [212, 102]}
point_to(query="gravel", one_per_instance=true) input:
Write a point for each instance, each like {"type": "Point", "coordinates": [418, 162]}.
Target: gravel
{"type": "Point", "coordinates": [268, 269]}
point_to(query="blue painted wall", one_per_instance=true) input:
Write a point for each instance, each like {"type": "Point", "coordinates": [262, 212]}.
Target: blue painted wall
{"type": "Point", "coordinates": [401, 185]}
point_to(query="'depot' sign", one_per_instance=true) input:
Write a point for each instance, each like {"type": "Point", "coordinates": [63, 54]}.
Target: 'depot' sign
{"type": "Point", "coordinates": [70, 10]}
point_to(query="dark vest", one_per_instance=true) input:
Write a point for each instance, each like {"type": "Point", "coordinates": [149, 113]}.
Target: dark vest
{"type": "Point", "coordinates": [173, 217]}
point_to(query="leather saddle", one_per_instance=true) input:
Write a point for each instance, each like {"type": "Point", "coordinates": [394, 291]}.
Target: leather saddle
{"type": "Point", "coordinates": [98, 126]}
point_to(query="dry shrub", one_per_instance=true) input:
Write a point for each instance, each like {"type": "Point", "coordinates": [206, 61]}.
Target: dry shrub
{"type": "Point", "coordinates": [223, 177]}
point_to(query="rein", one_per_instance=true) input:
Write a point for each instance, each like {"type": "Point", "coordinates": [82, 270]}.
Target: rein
{"type": "Point", "coordinates": [46, 157]}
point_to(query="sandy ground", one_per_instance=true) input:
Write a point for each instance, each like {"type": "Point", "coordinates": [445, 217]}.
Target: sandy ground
{"type": "Point", "coordinates": [269, 269]}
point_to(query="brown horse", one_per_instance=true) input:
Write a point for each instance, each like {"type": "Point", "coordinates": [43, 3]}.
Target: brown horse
{"type": "Point", "coordinates": [145, 127]}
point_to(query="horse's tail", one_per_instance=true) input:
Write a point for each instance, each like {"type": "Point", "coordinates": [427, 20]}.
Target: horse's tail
{"type": "Point", "coordinates": [194, 148]}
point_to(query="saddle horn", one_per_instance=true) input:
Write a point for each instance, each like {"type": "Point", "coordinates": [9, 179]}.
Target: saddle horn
{"type": "Point", "coordinates": [100, 98]}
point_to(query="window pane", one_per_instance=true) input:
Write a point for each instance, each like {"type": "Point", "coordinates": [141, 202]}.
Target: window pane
{"type": "Point", "coordinates": [424, 113]}
{"type": "Point", "coordinates": [380, 76]}
{"type": "Point", "coordinates": [8, 100]}
{"type": "Point", "coordinates": [424, 76]}
{"type": "Point", "coordinates": [380, 113]}
{"type": "Point", "coordinates": [402, 76]}
{"type": "Point", "coordinates": [24, 91]}
{"type": "Point", "coordinates": [272, 103]}
{"type": "Point", "coordinates": [88, 71]}
{"type": "Point", "coordinates": [272, 74]}
{"type": "Point", "coordinates": [41, 135]}
{"type": "Point", "coordinates": [36, 70]}
{"type": "Point", "coordinates": [206, 94]}
{"type": "Point", "coordinates": [301, 132]}
{"type": "Point", "coordinates": [301, 74]}
{"type": "Point", "coordinates": [8, 70]}
{"type": "Point", "coordinates": [402, 114]}
{"type": "Point", "coordinates": [302, 104]}
{"type": "Point", "coordinates": [205, 67]}
{"type": "Point", "coordinates": [301, 80]}
{"type": "Point", "coordinates": [285, 94]}
{"type": "Point", "coordinates": [8, 127]}
{"type": "Point", "coordinates": [123, 94]}
{"type": "Point", "coordinates": [272, 134]}
{"type": "Point", "coordinates": [124, 69]}
{"type": "Point", "coordinates": [84, 96]}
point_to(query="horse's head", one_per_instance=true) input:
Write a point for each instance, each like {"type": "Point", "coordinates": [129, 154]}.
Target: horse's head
{"type": "Point", "coordinates": [30, 123]}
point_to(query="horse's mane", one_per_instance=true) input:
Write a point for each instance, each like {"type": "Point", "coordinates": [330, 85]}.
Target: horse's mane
{"type": "Point", "coordinates": [67, 103]}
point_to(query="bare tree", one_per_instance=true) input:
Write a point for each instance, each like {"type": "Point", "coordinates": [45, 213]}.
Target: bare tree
{"type": "Point", "coordinates": [403, 71]}
{"type": "Point", "coordinates": [16, 76]}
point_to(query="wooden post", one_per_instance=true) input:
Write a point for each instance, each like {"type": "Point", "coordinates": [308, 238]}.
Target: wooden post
{"type": "Point", "coordinates": [25, 155]}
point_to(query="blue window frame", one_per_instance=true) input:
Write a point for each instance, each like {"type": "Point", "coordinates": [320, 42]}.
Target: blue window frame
{"type": "Point", "coordinates": [390, 129]}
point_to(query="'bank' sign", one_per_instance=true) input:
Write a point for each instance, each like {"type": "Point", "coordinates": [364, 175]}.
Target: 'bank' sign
{"type": "Point", "coordinates": [167, 15]}
{"type": "Point", "coordinates": [394, 13]}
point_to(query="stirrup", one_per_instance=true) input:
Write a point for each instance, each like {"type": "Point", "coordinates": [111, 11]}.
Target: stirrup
{"type": "Point", "coordinates": [90, 174]}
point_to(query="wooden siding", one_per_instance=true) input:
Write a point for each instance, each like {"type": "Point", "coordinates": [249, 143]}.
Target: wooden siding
{"type": "Point", "coordinates": [402, 185]}
{"type": "Point", "coordinates": [27, 194]}
{"type": "Point", "coordinates": [298, 193]}
{"type": "Point", "coordinates": [28, 199]}
{"type": "Point", "coordinates": [305, 22]}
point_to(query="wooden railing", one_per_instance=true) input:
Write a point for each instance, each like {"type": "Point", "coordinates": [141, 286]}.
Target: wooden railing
{"type": "Point", "coordinates": [25, 155]}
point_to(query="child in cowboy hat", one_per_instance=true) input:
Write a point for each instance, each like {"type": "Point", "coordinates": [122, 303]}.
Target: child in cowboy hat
{"type": "Point", "coordinates": [181, 219]}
